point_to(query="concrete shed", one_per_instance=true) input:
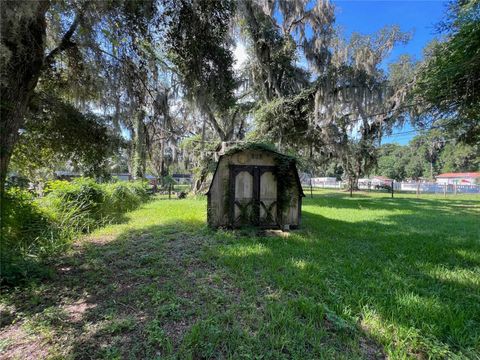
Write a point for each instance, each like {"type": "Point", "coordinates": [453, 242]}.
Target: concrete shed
{"type": "Point", "coordinates": [255, 185]}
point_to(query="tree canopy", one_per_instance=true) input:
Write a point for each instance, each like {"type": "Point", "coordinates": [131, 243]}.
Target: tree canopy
{"type": "Point", "coordinates": [448, 82]}
{"type": "Point", "coordinates": [141, 77]}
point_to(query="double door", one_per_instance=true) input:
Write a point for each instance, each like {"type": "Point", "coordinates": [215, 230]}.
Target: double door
{"type": "Point", "coordinates": [253, 191]}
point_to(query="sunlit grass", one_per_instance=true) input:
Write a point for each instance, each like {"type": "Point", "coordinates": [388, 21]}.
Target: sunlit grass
{"type": "Point", "coordinates": [365, 277]}
{"type": "Point", "coordinates": [390, 267]}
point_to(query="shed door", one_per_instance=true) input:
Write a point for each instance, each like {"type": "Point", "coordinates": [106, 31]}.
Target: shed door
{"type": "Point", "coordinates": [254, 190]}
{"type": "Point", "coordinates": [268, 198]}
{"type": "Point", "coordinates": [244, 204]}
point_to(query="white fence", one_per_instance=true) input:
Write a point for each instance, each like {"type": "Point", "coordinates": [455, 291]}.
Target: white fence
{"type": "Point", "coordinates": [437, 188]}
{"type": "Point", "coordinates": [421, 187]}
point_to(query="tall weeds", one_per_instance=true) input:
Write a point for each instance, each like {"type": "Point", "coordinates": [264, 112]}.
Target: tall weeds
{"type": "Point", "coordinates": [36, 230]}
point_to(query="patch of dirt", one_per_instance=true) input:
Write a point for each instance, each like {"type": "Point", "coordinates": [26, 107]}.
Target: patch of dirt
{"type": "Point", "coordinates": [176, 330]}
{"type": "Point", "coordinates": [99, 240]}
{"type": "Point", "coordinates": [77, 310]}
{"type": "Point", "coordinates": [371, 350]}
{"type": "Point", "coordinates": [20, 345]}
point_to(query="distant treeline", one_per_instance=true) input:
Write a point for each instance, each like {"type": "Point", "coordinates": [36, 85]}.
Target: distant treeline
{"type": "Point", "coordinates": [426, 156]}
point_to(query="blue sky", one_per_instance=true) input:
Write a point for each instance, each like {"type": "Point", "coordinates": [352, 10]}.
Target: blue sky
{"type": "Point", "coordinates": [366, 17]}
{"type": "Point", "coordinates": [419, 17]}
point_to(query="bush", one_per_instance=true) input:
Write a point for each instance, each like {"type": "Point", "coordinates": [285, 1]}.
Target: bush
{"type": "Point", "coordinates": [122, 197]}
{"type": "Point", "coordinates": [27, 236]}
{"type": "Point", "coordinates": [77, 204]}
{"type": "Point", "coordinates": [94, 204]}
{"type": "Point", "coordinates": [35, 230]}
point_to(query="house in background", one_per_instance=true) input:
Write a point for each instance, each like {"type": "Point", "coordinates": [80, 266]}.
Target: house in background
{"type": "Point", "coordinates": [374, 182]}
{"type": "Point", "coordinates": [381, 181]}
{"type": "Point", "coordinates": [66, 175]}
{"type": "Point", "coordinates": [122, 176]}
{"type": "Point", "coordinates": [466, 178]}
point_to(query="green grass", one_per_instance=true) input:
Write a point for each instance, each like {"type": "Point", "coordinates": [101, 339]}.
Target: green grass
{"type": "Point", "coordinates": [365, 277]}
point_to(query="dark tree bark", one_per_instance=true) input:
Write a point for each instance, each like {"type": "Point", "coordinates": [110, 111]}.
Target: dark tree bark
{"type": "Point", "coordinates": [26, 44]}
{"type": "Point", "coordinates": [25, 40]}
{"type": "Point", "coordinates": [213, 121]}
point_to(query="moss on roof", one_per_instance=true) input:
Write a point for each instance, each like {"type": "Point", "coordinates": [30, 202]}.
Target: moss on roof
{"type": "Point", "coordinates": [260, 147]}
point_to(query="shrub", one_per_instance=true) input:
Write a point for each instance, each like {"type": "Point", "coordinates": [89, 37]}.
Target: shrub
{"type": "Point", "coordinates": [122, 197]}
{"type": "Point", "coordinates": [92, 204]}
{"type": "Point", "coordinates": [34, 230]}
{"type": "Point", "coordinates": [27, 236]}
{"type": "Point", "coordinates": [141, 189]}
{"type": "Point", "coordinates": [83, 193]}
{"type": "Point", "coordinates": [75, 204]}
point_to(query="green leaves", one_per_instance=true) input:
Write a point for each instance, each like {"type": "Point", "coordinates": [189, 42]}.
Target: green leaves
{"type": "Point", "coordinates": [426, 155]}
{"type": "Point", "coordinates": [448, 81]}
{"type": "Point", "coordinates": [198, 45]}
{"type": "Point", "coordinates": [38, 229]}
{"type": "Point", "coordinates": [57, 132]}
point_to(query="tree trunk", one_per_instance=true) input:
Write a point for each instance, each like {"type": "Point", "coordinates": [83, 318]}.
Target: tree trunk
{"type": "Point", "coordinates": [20, 72]}
{"type": "Point", "coordinates": [355, 183]}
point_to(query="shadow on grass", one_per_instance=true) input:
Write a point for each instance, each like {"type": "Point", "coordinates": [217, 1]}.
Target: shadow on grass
{"type": "Point", "coordinates": [385, 202]}
{"type": "Point", "coordinates": [27, 256]}
{"type": "Point", "coordinates": [101, 297]}
{"type": "Point", "coordinates": [411, 280]}
{"type": "Point", "coordinates": [157, 291]}
{"type": "Point", "coordinates": [179, 289]}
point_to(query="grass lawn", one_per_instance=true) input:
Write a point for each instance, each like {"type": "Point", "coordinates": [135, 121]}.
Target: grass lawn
{"type": "Point", "coordinates": [365, 277]}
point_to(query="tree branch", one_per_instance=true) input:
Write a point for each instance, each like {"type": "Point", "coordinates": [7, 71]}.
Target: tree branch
{"type": "Point", "coordinates": [214, 123]}
{"type": "Point", "coordinates": [65, 43]}
{"type": "Point", "coordinates": [297, 21]}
